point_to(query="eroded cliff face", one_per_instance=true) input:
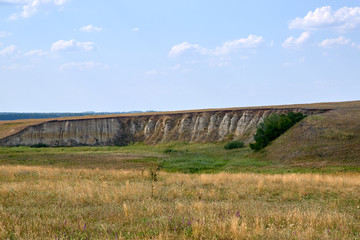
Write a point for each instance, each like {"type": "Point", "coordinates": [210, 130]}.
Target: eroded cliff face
{"type": "Point", "coordinates": [206, 126]}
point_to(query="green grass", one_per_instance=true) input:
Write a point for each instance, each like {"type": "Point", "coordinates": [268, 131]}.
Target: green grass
{"type": "Point", "coordinates": [171, 157]}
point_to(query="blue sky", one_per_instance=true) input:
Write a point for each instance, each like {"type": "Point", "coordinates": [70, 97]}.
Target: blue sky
{"type": "Point", "coordinates": [72, 55]}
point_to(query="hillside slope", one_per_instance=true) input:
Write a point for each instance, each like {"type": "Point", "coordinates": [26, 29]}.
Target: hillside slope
{"type": "Point", "coordinates": [326, 139]}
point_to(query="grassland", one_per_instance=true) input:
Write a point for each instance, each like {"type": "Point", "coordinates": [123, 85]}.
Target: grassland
{"type": "Point", "coordinates": [171, 157]}
{"type": "Point", "coordinates": [61, 203]}
{"type": "Point", "coordinates": [305, 185]}
{"type": "Point", "coordinates": [108, 193]}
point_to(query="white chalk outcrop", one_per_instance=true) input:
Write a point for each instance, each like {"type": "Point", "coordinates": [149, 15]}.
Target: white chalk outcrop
{"type": "Point", "coordinates": [206, 126]}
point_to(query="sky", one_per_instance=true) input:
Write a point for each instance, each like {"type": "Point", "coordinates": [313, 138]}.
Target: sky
{"type": "Point", "coordinates": [107, 56]}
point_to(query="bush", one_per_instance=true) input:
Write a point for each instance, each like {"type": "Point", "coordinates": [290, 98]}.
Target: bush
{"type": "Point", "coordinates": [272, 127]}
{"type": "Point", "coordinates": [234, 145]}
{"type": "Point", "coordinates": [39, 145]}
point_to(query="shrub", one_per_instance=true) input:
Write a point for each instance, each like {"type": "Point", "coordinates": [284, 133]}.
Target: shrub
{"type": "Point", "coordinates": [234, 145]}
{"type": "Point", "coordinates": [272, 127]}
{"type": "Point", "coordinates": [39, 145]}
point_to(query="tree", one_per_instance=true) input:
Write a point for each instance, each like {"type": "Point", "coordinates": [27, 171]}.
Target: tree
{"type": "Point", "coordinates": [272, 127]}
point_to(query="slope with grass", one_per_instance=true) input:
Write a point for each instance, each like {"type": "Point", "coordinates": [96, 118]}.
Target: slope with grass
{"type": "Point", "coordinates": [327, 139]}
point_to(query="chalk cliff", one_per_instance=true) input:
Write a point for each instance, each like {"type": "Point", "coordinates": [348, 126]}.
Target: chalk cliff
{"type": "Point", "coordinates": [205, 126]}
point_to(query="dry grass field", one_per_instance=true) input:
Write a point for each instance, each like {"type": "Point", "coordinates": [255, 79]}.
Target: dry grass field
{"type": "Point", "coordinates": [58, 203]}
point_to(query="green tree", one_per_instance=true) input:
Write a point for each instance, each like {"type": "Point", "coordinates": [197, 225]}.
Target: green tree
{"type": "Point", "coordinates": [272, 127]}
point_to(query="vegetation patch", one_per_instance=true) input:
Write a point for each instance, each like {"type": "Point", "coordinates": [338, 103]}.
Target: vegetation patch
{"type": "Point", "coordinates": [272, 127]}
{"type": "Point", "coordinates": [234, 145]}
{"type": "Point", "coordinates": [39, 145]}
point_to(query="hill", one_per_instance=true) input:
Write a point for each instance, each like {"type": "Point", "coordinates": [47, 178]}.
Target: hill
{"type": "Point", "coordinates": [326, 139]}
{"type": "Point", "coordinates": [10, 127]}
{"type": "Point", "coordinates": [329, 137]}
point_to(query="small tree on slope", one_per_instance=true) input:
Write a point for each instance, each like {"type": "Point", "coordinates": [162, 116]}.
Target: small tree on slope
{"type": "Point", "coordinates": [272, 127]}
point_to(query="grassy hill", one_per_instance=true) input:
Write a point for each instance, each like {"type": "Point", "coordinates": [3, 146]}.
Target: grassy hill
{"type": "Point", "coordinates": [327, 139]}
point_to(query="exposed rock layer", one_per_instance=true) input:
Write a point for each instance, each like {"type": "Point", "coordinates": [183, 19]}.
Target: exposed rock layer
{"type": "Point", "coordinates": [207, 126]}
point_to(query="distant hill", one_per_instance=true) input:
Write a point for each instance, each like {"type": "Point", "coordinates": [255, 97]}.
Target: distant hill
{"type": "Point", "coordinates": [6, 116]}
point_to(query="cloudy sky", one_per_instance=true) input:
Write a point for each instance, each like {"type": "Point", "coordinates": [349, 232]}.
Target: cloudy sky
{"type": "Point", "coordinates": [72, 55]}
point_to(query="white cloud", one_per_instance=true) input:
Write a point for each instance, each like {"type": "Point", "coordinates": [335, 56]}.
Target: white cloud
{"type": "Point", "coordinates": [5, 34]}
{"type": "Point", "coordinates": [293, 42]}
{"type": "Point", "coordinates": [36, 52]}
{"type": "Point", "coordinates": [231, 46]}
{"type": "Point", "coordinates": [90, 28]}
{"type": "Point", "coordinates": [9, 50]}
{"type": "Point", "coordinates": [87, 46]}
{"type": "Point", "coordinates": [343, 19]}
{"type": "Point", "coordinates": [72, 45]}
{"type": "Point", "coordinates": [340, 41]}
{"type": "Point", "coordinates": [182, 47]}
{"type": "Point", "coordinates": [30, 7]}
{"type": "Point", "coordinates": [228, 47]}
{"type": "Point", "coordinates": [135, 29]}
{"type": "Point", "coordinates": [83, 66]}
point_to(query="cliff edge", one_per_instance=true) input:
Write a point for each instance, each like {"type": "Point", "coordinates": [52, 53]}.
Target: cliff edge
{"type": "Point", "coordinates": [192, 126]}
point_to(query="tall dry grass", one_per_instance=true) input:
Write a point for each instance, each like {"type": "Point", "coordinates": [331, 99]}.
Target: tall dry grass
{"type": "Point", "coordinates": [55, 203]}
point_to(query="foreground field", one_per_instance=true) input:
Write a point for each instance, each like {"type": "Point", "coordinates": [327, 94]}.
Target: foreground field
{"type": "Point", "coordinates": [111, 193]}
{"type": "Point", "coordinates": [59, 203]}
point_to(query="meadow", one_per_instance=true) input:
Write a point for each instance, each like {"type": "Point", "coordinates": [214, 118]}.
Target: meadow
{"type": "Point", "coordinates": [202, 191]}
